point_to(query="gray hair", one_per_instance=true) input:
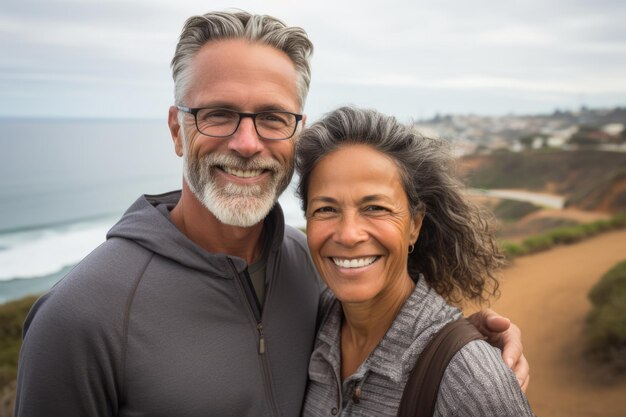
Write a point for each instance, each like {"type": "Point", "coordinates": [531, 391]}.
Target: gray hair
{"type": "Point", "coordinates": [456, 251]}
{"type": "Point", "coordinates": [267, 30]}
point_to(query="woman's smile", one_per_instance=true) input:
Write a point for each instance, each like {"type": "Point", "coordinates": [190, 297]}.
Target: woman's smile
{"type": "Point", "coordinates": [354, 262]}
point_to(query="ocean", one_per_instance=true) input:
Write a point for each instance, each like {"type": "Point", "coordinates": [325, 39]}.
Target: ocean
{"type": "Point", "coordinates": [64, 183]}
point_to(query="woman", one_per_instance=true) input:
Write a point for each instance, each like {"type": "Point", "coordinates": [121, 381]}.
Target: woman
{"type": "Point", "coordinates": [395, 239]}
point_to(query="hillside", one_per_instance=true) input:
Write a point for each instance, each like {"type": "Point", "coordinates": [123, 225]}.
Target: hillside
{"type": "Point", "coordinates": [589, 179]}
{"type": "Point", "coordinates": [546, 295]}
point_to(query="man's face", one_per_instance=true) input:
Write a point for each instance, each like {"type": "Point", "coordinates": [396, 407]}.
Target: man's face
{"type": "Point", "coordinates": [238, 178]}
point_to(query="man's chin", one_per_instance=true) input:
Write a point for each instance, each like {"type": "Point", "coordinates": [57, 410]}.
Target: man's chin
{"type": "Point", "coordinates": [240, 211]}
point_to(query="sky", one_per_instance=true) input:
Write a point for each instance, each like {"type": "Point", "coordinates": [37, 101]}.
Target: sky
{"type": "Point", "coordinates": [413, 58]}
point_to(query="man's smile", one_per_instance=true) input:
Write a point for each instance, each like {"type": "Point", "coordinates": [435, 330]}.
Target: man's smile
{"type": "Point", "coordinates": [248, 173]}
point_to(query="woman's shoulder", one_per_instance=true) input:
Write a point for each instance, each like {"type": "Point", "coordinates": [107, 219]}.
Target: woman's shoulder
{"type": "Point", "coordinates": [478, 382]}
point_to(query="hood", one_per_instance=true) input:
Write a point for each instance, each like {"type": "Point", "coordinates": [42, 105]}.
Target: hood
{"type": "Point", "coordinates": [147, 223]}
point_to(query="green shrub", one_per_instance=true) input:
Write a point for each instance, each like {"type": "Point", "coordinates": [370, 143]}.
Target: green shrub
{"type": "Point", "coordinates": [612, 281]}
{"type": "Point", "coordinates": [604, 225]}
{"type": "Point", "coordinates": [537, 243]}
{"type": "Point", "coordinates": [512, 250]}
{"type": "Point", "coordinates": [591, 229]}
{"type": "Point", "coordinates": [12, 317]}
{"type": "Point", "coordinates": [563, 236]}
{"type": "Point", "coordinates": [619, 221]}
{"type": "Point", "coordinates": [605, 330]}
{"type": "Point", "coordinates": [568, 235]}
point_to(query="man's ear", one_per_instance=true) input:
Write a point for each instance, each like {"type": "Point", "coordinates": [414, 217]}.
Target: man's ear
{"type": "Point", "coordinates": [175, 130]}
{"type": "Point", "coordinates": [303, 121]}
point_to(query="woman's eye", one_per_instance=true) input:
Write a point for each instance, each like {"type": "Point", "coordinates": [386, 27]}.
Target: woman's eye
{"type": "Point", "coordinates": [375, 208]}
{"type": "Point", "coordinates": [325, 210]}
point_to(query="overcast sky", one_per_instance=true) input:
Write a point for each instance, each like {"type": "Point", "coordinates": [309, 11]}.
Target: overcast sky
{"type": "Point", "coordinates": [110, 58]}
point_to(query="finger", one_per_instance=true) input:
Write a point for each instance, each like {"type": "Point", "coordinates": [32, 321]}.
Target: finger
{"type": "Point", "coordinates": [522, 372]}
{"type": "Point", "coordinates": [526, 384]}
{"type": "Point", "coordinates": [488, 321]}
{"type": "Point", "coordinates": [479, 320]}
{"type": "Point", "coordinates": [497, 323]}
{"type": "Point", "coordinates": [511, 345]}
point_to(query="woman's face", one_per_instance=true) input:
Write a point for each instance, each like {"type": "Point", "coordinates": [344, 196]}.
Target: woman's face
{"type": "Point", "coordinates": [359, 226]}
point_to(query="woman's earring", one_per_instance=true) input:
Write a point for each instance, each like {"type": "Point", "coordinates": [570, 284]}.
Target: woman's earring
{"type": "Point", "coordinates": [411, 248]}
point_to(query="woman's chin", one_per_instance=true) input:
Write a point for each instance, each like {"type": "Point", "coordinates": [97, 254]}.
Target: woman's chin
{"type": "Point", "coordinates": [354, 295]}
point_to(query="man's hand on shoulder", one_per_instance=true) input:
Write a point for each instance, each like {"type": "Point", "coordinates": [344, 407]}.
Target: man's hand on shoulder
{"type": "Point", "coordinates": [506, 336]}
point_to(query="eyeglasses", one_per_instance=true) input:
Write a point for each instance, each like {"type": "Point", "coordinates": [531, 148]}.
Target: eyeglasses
{"type": "Point", "coordinates": [221, 123]}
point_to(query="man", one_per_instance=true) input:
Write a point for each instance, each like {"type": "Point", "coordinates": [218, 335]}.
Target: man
{"type": "Point", "coordinates": [201, 302]}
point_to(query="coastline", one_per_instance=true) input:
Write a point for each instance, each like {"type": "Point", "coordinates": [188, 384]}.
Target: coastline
{"type": "Point", "coordinates": [17, 288]}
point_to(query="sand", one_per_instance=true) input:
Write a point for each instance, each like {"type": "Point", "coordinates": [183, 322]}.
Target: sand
{"type": "Point", "coordinates": [546, 295]}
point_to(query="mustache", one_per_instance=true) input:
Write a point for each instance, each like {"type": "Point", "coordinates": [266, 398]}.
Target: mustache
{"type": "Point", "coordinates": [237, 162]}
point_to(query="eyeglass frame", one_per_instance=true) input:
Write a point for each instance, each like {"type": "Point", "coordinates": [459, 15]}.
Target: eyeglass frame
{"type": "Point", "coordinates": [194, 111]}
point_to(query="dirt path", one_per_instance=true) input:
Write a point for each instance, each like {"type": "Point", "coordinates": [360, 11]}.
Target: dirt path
{"type": "Point", "coordinates": [546, 295]}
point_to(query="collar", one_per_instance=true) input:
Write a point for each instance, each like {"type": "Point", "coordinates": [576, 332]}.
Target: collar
{"type": "Point", "coordinates": [147, 223]}
{"type": "Point", "coordinates": [421, 316]}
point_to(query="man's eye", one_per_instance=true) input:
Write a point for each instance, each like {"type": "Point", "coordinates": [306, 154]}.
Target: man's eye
{"type": "Point", "coordinates": [275, 119]}
{"type": "Point", "coordinates": [216, 116]}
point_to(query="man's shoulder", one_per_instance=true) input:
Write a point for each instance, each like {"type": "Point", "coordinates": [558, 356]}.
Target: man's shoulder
{"type": "Point", "coordinates": [294, 244]}
{"type": "Point", "coordinates": [295, 255]}
{"type": "Point", "coordinates": [295, 239]}
{"type": "Point", "coordinates": [99, 286]}
{"type": "Point", "coordinates": [116, 259]}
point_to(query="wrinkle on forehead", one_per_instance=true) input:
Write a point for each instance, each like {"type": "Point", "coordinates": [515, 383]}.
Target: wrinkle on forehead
{"type": "Point", "coordinates": [243, 74]}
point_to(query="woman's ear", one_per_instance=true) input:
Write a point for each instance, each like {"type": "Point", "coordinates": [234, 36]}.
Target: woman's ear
{"type": "Point", "coordinates": [416, 226]}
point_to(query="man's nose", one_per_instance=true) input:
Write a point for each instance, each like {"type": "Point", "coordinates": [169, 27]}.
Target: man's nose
{"type": "Point", "coordinates": [246, 141]}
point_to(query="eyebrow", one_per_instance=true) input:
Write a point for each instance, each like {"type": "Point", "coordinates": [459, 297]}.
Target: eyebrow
{"type": "Point", "coordinates": [373, 197]}
{"type": "Point", "coordinates": [366, 199]}
{"type": "Point", "coordinates": [229, 106]}
{"type": "Point", "coordinates": [323, 199]}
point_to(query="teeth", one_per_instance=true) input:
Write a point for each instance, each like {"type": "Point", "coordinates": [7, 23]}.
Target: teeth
{"type": "Point", "coordinates": [354, 263]}
{"type": "Point", "coordinates": [243, 174]}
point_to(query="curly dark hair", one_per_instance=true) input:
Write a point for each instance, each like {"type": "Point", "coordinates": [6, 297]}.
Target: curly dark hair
{"type": "Point", "coordinates": [456, 252]}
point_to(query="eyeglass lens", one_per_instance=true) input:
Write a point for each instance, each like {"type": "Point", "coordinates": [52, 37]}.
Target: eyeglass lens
{"type": "Point", "coordinates": [269, 125]}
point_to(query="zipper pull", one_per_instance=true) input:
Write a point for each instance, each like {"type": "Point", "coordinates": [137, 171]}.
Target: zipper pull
{"type": "Point", "coordinates": [261, 339]}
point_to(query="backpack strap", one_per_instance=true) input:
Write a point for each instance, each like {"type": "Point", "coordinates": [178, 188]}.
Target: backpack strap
{"type": "Point", "coordinates": [420, 393]}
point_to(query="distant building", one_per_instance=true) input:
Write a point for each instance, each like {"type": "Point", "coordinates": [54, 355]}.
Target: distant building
{"type": "Point", "coordinates": [566, 130]}
{"type": "Point", "coordinates": [613, 129]}
{"type": "Point", "coordinates": [556, 141]}
{"type": "Point", "coordinates": [559, 138]}
{"type": "Point", "coordinates": [517, 146]}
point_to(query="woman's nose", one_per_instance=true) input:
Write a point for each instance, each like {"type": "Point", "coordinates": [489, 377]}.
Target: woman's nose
{"type": "Point", "coordinates": [350, 230]}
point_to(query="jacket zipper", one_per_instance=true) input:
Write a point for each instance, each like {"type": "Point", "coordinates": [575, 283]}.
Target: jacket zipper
{"type": "Point", "coordinates": [253, 305]}
{"type": "Point", "coordinates": [259, 327]}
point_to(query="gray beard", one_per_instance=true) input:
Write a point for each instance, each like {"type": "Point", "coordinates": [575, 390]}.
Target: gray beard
{"type": "Point", "coordinates": [235, 204]}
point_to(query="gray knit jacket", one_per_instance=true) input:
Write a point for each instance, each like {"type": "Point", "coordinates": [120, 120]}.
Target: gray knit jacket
{"type": "Point", "coordinates": [476, 382]}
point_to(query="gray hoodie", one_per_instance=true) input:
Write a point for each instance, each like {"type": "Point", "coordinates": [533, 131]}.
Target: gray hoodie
{"type": "Point", "coordinates": [150, 324]}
